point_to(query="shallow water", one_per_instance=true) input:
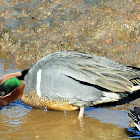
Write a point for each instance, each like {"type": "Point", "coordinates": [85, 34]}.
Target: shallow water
{"type": "Point", "coordinates": [19, 121]}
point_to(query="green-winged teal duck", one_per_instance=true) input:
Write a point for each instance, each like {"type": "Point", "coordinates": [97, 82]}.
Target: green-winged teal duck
{"type": "Point", "coordinates": [135, 116]}
{"type": "Point", "coordinates": [69, 81]}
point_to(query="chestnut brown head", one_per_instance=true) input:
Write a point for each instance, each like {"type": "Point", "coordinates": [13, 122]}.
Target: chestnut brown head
{"type": "Point", "coordinates": [12, 87]}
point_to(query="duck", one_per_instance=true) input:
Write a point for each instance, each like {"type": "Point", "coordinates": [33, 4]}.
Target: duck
{"type": "Point", "coordinates": [134, 115]}
{"type": "Point", "coordinates": [67, 81]}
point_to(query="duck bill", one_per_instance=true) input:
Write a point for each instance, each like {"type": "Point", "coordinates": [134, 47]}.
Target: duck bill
{"type": "Point", "coordinates": [13, 96]}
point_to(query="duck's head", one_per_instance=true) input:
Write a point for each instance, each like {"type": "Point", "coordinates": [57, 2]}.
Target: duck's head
{"type": "Point", "coordinates": [12, 87]}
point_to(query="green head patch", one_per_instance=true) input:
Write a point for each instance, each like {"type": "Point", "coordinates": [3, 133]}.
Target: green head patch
{"type": "Point", "coordinates": [9, 85]}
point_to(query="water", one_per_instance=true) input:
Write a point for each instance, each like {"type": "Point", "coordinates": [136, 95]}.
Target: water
{"type": "Point", "coordinates": [19, 121]}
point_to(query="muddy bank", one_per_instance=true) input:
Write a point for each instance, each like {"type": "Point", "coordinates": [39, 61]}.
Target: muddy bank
{"type": "Point", "coordinates": [32, 29]}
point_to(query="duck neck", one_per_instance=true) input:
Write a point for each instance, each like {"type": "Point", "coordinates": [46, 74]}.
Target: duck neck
{"type": "Point", "coordinates": [23, 73]}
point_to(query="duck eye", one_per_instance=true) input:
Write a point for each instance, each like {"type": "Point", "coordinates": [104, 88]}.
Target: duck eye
{"type": "Point", "coordinates": [2, 93]}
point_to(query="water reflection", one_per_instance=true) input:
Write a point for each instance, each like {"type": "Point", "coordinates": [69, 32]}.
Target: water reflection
{"type": "Point", "coordinates": [13, 115]}
{"type": "Point", "coordinates": [38, 124]}
{"type": "Point", "coordinates": [116, 117]}
{"type": "Point", "coordinates": [133, 133]}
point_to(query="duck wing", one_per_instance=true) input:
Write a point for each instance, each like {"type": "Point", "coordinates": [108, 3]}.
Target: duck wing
{"type": "Point", "coordinates": [104, 78]}
{"type": "Point", "coordinates": [96, 70]}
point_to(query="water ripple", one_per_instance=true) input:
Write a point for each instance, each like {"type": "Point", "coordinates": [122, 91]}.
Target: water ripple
{"type": "Point", "coordinates": [13, 115]}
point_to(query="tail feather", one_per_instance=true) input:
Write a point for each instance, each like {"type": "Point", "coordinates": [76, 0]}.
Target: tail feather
{"type": "Point", "coordinates": [136, 84]}
{"type": "Point", "coordinates": [135, 81]}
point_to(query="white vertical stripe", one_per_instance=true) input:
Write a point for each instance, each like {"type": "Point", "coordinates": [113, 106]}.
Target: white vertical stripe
{"type": "Point", "coordinates": [38, 82]}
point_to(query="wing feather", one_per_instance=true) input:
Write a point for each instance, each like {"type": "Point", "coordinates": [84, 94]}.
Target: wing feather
{"type": "Point", "coordinates": [96, 70]}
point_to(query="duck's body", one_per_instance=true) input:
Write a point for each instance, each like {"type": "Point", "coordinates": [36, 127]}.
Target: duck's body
{"type": "Point", "coordinates": [69, 80]}
{"type": "Point", "coordinates": [135, 116]}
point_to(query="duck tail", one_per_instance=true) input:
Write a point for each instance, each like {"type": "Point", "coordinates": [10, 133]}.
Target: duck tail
{"type": "Point", "coordinates": [135, 116]}
{"type": "Point", "coordinates": [136, 81]}
{"type": "Point", "coordinates": [136, 68]}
